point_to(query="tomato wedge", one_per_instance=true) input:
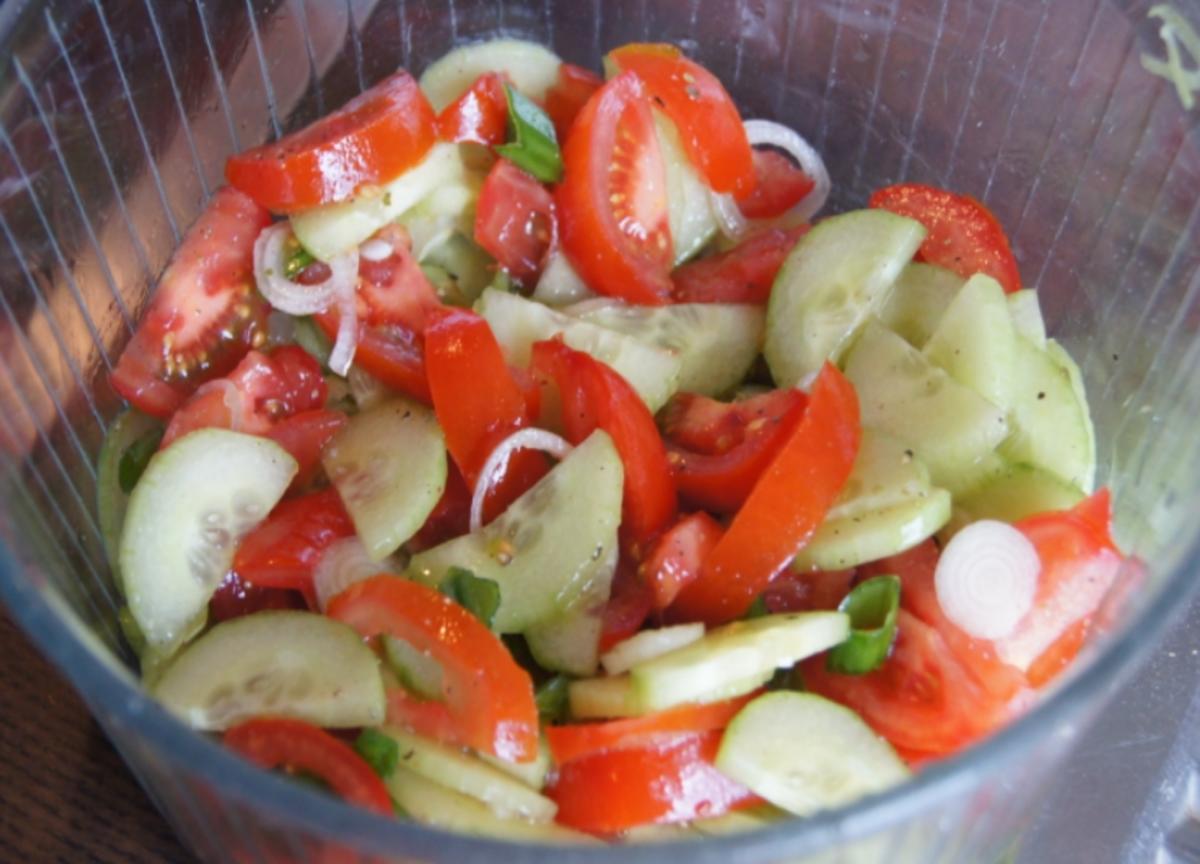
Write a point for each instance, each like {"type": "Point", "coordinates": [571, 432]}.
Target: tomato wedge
{"type": "Point", "coordinates": [305, 436]}
{"type": "Point", "coordinates": [963, 236]}
{"type": "Point", "coordinates": [579, 740]}
{"type": "Point", "coordinates": [779, 185]}
{"type": "Point", "coordinates": [487, 695]}
{"type": "Point", "coordinates": [283, 550]}
{"type": "Point", "coordinates": [744, 274]}
{"type": "Point", "coordinates": [675, 559]}
{"type": "Point", "coordinates": [205, 314]}
{"type": "Point", "coordinates": [785, 507]}
{"type": "Point", "coordinates": [235, 597]}
{"type": "Point", "coordinates": [478, 116]}
{"type": "Point", "coordinates": [711, 427]}
{"type": "Point", "coordinates": [708, 121]}
{"type": "Point", "coordinates": [514, 221]}
{"type": "Point", "coordinates": [450, 517]}
{"type": "Point", "coordinates": [373, 138]}
{"type": "Point", "coordinates": [594, 396]}
{"type": "Point", "coordinates": [817, 590]}
{"type": "Point", "coordinates": [629, 604]}
{"type": "Point", "coordinates": [570, 92]}
{"type": "Point", "coordinates": [671, 781]}
{"type": "Point", "coordinates": [281, 742]}
{"type": "Point", "coordinates": [612, 201]}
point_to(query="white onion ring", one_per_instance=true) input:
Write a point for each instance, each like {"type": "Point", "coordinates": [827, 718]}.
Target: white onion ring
{"type": "Point", "coordinates": [292, 297]}
{"type": "Point", "coordinates": [343, 563]}
{"type": "Point", "coordinates": [728, 215]}
{"type": "Point", "coordinates": [346, 343]}
{"type": "Point", "coordinates": [767, 132]}
{"type": "Point", "coordinates": [986, 578]}
{"type": "Point", "coordinates": [522, 439]}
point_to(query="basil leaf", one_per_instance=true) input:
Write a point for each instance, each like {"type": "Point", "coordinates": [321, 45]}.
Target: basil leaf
{"type": "Point", "coordinates": [297, 258]}
{"type": "Point", "coordinates": [532, 144]}
{"type": "Point", "coordinates": [480, 597]}
{"type": "Point", "coordinates": [135, 459]}
{"type": "Point", "coordinates": [551, 699]}
{"type": "Point", "coordinates": [872, 607]}
{"type": "Point", "coordinates": [379, 751]}
{"type": "Point", "coordinates": [757, 609]}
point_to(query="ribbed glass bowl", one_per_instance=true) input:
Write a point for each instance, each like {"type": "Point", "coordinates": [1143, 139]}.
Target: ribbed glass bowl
{"type": "Point", "coordinates": [116, 117]}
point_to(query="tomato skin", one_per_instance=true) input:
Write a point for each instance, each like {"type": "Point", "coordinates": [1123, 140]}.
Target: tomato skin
{"type": "Point", "coordinates": [778, 186]}
{"type": "Point", "coordinates": [235, 597]}
{"type": "Point", "coordinates": [712, 427]}
{"type": "Point", "coordinates": [676, 557]}
{"type": "Point", "coordinates": [575, 85]}
{"type": "Point", "coordinates": [515, 221]}
{"type": "Point", "coordinates": [450, 516]}
{"type": "Point", "coordinates": [629, 604]}
{"type": "Point", "coordinates": [284, 549]}
{"type": "Point", "coordinates": [373, 138]}
{"type": "Point", "coordinates": [814, 591]}
{"type": "Point", "coordinates": [393, 353]}
{"type": "Point", "coordinates": [281, 742]}
{"type": "Point", "coordinates": [488, 696]}
{"type": "Point", "coordinates": [707, 118]}
{"type": "Point", "coordinates": [478, 116]}
{"type": "Point", "coordinates": [305, 436]}
{"type": "Point", "coordinates": [611, 203]}
{"type": "Point", "coordinates": [672, 781]}
{"type": "Point", "coordinates": [744, 274]}
{"type": "Point", "coordinates": [963, 236]}
{"type": "Point", "coordinates": [205, 314]}
{"type": "Point", "coordinates": [395, 290]}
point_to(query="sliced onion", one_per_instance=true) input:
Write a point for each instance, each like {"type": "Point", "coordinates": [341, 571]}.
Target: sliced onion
{"type": "Point", "coordinates": [769, 133]}
{"type": "Point", "coordinates": [292, 297]}
{"type": "Point", "coordinates": [376, 249]}
{"type": "Point", "coordinates": [986, 578]}
{"type": "Point", "coordinates": [346, 343]}
{"type": "Point", "coordinates": [728, 215]}
{"type": "Point", "coordinates": [344, 563]}
{"type": "Point", "coordinates": [523, 439]}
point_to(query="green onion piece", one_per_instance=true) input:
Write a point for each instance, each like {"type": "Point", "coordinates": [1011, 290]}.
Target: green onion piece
{"type": "Point", "coordinates": [551, 699]}
{"type": "Point", "coordinates": [872, 607]}
{"type": "Point", "coordinates": [757, 609]}
{"type": "Point", "coordinates": [481, 597]}
{"type": "Point", "coordinates": [135, 459]}
{"type": "Point", "coordinates": [378, 750]}
{"type": "Point", "coordinates": [532, 144]}
{"type": "Point", "coordinates": [297, 259]}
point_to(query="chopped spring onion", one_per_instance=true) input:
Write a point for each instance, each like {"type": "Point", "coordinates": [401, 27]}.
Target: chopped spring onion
{"type": "Point", "coordinates": [532, 144]}
{"type": "Point", "coordinates": [136, 457]}
{"type": "Point", "coordinates": [480, 597]}
{"type": "Point", "coordinates": [296, 258]}
{"type": "Point", "coordinates": [379, 751]}
{"type": "Point", "coordinates": [271, 264]}
{"type": "Point", "coordinates": [872, 607]}
{"type": "Point", "coordinates": [769, 134]}
{"type": "Point", "coordinates": [551, 698]}
{"type": "Point", "coordinates": [523, 439]}
{"type": "Point", "coordinates": [986, 578]}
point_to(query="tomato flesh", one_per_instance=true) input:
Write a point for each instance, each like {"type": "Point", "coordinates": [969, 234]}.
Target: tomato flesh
{"type": "Point", "coordinates": [571, 91]}
{"type": "Point", "coordinates": [478, 116]}
{"type": "Point", "coordinates": [284, 549]}
{"type": "Point", "coordinates": [744, 274]}
{"type": "Point", "coordinates": [514, 221]}
{"type": "Point", "coordinates": [236, 597]}
{"type": "Point", "coordinates": [630, 603]}
{"type": "Point", "coordinates": [778, 186]}
{"type": "Point", "coordinates": [675, 559]}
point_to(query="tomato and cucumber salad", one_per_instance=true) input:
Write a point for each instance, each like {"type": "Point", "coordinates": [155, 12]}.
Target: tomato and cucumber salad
{"type": "Point", "coordinates": [511, 451]}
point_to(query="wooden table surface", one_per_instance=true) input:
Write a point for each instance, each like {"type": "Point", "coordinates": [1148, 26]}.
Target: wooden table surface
{"type": "Point", "coordinates": [65, 794]}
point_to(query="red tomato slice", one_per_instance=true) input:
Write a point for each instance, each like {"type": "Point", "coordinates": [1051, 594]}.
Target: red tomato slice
{"type": "Point", "coordinates": [283, 550]}
{"type": "Point", "coordinates": [708, 426]}
{"type": "Point", "coordinates": [708, 121]}
{"type": "Point", "coordinates": [785, 507]}
{"type": "Point", "coordinates": [629, 605]}
{"type": "Point", "coordinates": [514, 221]}
{"type": "Point", "coordinates": [675, 558]}
{"type": "Point", "coordinates": [450, 517]}
{"type": "Point", "coordinates": [305, 436]}
{"type": "Point", "coordinates": [819, 590]}
{"type": "Point", "coordinates": [295, 745]}
{"type": "Point", "coordinates": [235, 597]}
{"type": "Point", "coordinates": [205, 314]}
{"type": "Point", "coordinates": [373, 138]}
{"type": "Point", "coordinates": [744, 274]}
{"type": "Point", "coordinates": [778, 186]}
{"type": "Point", "coordinates": [673, 781]}
{"type": "Point", "coordinates": [572, 90]}
{"type": "Point", "coordinates": [579, 740]}
{"type": "Point", "coordinates": [395, 290]}
{"type": "Point", "coordinates": [594, 396]}
{"type": "Point", "coordinates": [488, 696]}
{"type": "Point", "coordinates": [393, 353]}
{"type": "Point", "coordinates": [963, 236]}
{"type": "Point", "coordinates": [612, 201]}
{"type": "Point", "coordinates": [478, 116]}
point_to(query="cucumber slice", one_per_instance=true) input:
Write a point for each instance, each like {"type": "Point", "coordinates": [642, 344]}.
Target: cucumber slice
{"type": "Point", "coordinates": [728, 658]}
{"type": "Point", "coordinates": [195, 501]}
{"type": "Point", "coordinates": [506, 796]}
{"type": "Point", "coordinates": [838, 275]}
{"type": "Point", "coordinates": [716, 343]}
{"type": "Point", "coordinates": [532, 774]}
{"type": "Point", "coordinates": [130, 427]}
{"type": "Point", "coordinates": [389, 467]}
{"type": "Point", "coordinates": [294, 664]}
{"type": "Point", "coordinates": [1051, 428]}
{"type": "Point", "coordinates": [571, 643]}
{"type": "Point", "coordinates": [1026, 315]}
{"type": "Point", "coordinates": [552, 547]}
{"type": "Point", "coordinates": [417, 670]}
{"type": "Point", "coordinates": [518, 323]}
{"type": "Point", "coordinates": [467, 267]}
{"type": "Point", "coordinates": [921, 294]}
{"type": "Point", "coordinates": [804, 753]}
{"type": "Point", "coordinates": [975, 341]}
{"type": "Point", "coordinates": [532, 69]}
{"type": "Point", "coordinates": [331, 229]}
{"type": "Point", "coordinates": [1018, 491]}
{"type": "Point", "coordinates": [649, 644]}
{"type": "Point", "coordinates": [601, 698]}
{"type": "Point", "coordinates": [559, 284]}
{"type": "Point", "coordinates": [739, 821]}
{"type": "Point", "coordinates": [1059, 355]}
{"type": "Point", "coordinates": [885, 473]}
{"type": "Point", "coordinates": [947, 426]}
{"type": "Point", "coordinates": [850, 541]}
{"type": "Point", "coordinates": [688, 211]}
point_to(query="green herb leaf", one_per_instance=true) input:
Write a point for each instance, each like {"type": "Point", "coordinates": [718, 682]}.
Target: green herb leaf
{"type": "Point", "coordinates": [481, 597]}
{"type": "Point", "coordinates": [379, 751]}
{"type": "Point", "coordinates": [551, 699]}
{"type": "Point", "coordinates": [757, 609]}
{"type": "Point", "coordinates": [532, 144]}
{"type": "Point", "coordinates": [297, 258]}
{"type": "Point", "coordinates": [872, 607]}
{"type": "Point", "coordinates": [135, 459]}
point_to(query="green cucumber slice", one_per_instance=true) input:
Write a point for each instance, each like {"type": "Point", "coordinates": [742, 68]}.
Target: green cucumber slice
{"type": "Point", "coordinates": [838, 275]}
{"type": "Point", "coordinates": [130, 427]}
{"type": "Point", "coordinates": [294, 664]}
{"type": "Point", "coordinates": [1016, 492]}
{"type": "Point", "coordinates": [571, 644]}
{"type": "Point", "coordinates": [886, 472]}
{"type": "Point", "coordinates": [647, 645]}
{"type": "Point", "coordinates": [921, 294]}
{"type": "Point", "coordinates": [389, 467]}
{"type": "Point", "coordinates": [738, 821]}
{"type": "Point", "coordinates": [975, 341]}
{"type": "Point", "coordinates": [688, 211]}
{"type": "Point", "coordinates": [195, 501]}
{"type": "Point", "coordinates": [601, 698]}
{"type": "Point", "coordinates": [947, 426]}
{"type": "Point", "coordinates": [1059, 355]}
{"type": "Point", "coordinates": [517, 323]}
{"type": "Point", "coordinates": [559, 284]}
{"type": "Point", "coordinates": [720, 665]}
{"type": "Point", "coordinates": [716, 343]}
{"type": "Point", "coordinates": [804, 753]}
{"type": "Point", "coordinates": [853, 540]}
{"type": "Point", "coordinates": [552, 548]}
{"type": "Point", "coordinates": [532, 68]}
{"type": "Point", "coordinates": [504, 795]}
{"type": "Point", "coordinates": [467, 268]}
{"type": "Point", "coordinates": [1026, 315]}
